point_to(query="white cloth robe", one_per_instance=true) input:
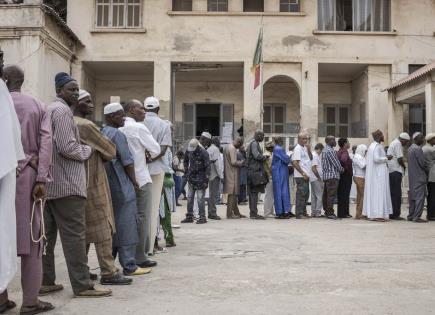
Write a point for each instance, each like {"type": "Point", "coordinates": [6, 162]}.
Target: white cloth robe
{"type": "Point", "coordinates": [377, 198]}
{"type": "Point", "coordinates": [12, 152]}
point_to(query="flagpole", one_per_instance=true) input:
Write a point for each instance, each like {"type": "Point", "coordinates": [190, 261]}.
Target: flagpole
{"type": "Point", "coordinates": [261, 76]}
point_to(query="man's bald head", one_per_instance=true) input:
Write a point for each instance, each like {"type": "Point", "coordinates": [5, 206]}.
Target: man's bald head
{"type": "Point", "coordinates": [14, 78]}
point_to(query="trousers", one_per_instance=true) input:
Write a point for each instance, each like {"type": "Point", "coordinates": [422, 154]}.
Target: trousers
{"type": "Point", "coordinates": [105, 258]}
{"type": "Point", "coordinates": [431, 200]}
{"type": "Point", "coordinates": [156, 193]}
{"type": "Point", "coordinates": [200, 199]}
{"type": "Point", "coordinates": [213, 189]}
{"type": "Point", "coordinates": [360, 183]}
{"type": "Point", "coordinates": [416, 203]}
{"type": "Point", "coordinates": [396, 193]}
{"type": "Point", "coordinates": [166, 223]}
{"type": "Point", "coordinates": [232, 206]}
{"type": "Point", "coordinates": [144, 222]}
{"type": "Point", "coordinates": [330, 195]}
{"type": "Point", "coordinates": [268, 199]}
{"type": "Point", "coordinates": [316, 198]}
{"type": "Point", "coordinates": [68, 216]}
{"type": "Point", "coordinates": [343, 194]}
{"type": "Point", "coordinates": [302, 195]}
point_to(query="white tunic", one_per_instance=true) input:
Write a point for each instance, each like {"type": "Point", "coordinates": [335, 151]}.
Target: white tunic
{"type": "Point", "coordinates": [12, 152]}
{"type": "Point", "coordinates": [377, 199]}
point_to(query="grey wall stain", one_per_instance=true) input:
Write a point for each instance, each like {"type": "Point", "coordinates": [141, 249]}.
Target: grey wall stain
{"type": "Point", "coordinates": [312, 41]}
{"type": "Point", "coordinates": [182, 43]}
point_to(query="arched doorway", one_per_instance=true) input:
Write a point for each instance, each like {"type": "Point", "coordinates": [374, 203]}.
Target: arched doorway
{"type": "Point", "coordinates": [281, 108]}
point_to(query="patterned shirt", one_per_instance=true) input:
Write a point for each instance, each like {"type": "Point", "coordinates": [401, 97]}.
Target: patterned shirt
{"type": "Point", "coordinates": [69, 176]}
{"type": "Point", "coordinates": [331, 166]}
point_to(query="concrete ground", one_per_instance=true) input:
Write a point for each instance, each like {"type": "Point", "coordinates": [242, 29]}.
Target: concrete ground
{"type": "Point", "coordinates": [314, 266]}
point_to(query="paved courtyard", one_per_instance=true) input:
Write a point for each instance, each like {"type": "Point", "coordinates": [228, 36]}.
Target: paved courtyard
{"type": "Point", "coordinates": [312, 266]}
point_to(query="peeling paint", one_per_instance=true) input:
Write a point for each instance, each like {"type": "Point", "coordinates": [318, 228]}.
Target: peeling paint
{"type": "Point", "coordinates": [311, 41]}
{"type": "Point", "coordinates": [182, 43]}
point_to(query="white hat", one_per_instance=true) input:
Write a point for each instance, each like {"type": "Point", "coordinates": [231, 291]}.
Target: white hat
{"type": "Point", "coordinates": [151, 102]}
{"type": "Point", "coordinates": [416, 134]}
{"type": "Point", "coordinates": [83, 94]}
{"type": "Point", "coordinates": [112, 108]}
{"type": "Point", "coordinates": [430, 136]}
{"type": "Point", "coordinates": [404, 136]}
{"type": "Point", "coordinates": [193, 144]}
{"type": "Point", "coordinates": [206, 134]}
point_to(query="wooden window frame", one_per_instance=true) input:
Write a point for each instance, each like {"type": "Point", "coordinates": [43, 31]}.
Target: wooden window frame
{"type": "Point", "coordinates": [337, 123]}
{"type": "Point", "coordinates": [110, 5]}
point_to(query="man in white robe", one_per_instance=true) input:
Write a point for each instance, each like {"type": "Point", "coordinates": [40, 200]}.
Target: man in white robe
{"type": "Point", "coordinates": [12, 152]}
{"type": "Point", "coordinates": [377, 198]}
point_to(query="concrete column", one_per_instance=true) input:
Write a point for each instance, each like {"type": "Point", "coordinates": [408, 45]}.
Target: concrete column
{"type": "Point", "coordinates": [235, 5]}
{"type": "Point", "coordinates": [395, 118]}
{"type": "Point", "coordinates": [379, 77]}
{"type": "Point", "coordinates": [199, 5]}
{"type": "Point", "coordinates": [252, 111]}
{"type": "Point", "coordinates": [271, 5]}
{"type": "Point", "coordinates": [430, 107]}
{"type": "Point", "coordinates": [162, 86]}
{"type": "Point", "coordinates": [310, 98]}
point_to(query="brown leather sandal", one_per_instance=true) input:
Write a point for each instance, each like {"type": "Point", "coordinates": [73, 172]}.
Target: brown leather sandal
{"type": "Point", "coordinates": [41, 307]}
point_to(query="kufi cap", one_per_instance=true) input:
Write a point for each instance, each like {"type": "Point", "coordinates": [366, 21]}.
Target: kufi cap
{"type": "Point", "coordinates": [206, 134]}
{"type": "Point", "coordinates": [193, 144]}
{"type": "Point", "coordinates": [151, 103]}
{"type": "Point", "coordinates": [61, 79]}
{"type": "Point", "coordinates": [416, 134]}
{"type": "Point", "coordinates": [112, 108]}
{"type": "Point", "coordinates": [404, 136]}
{"type": "Point", "coordinates": [430, 136]}
{"type": "Point", "coordinates": [83, 94]}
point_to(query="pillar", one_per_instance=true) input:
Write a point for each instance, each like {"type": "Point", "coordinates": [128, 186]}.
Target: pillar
{"type": "Point", "coordinates": [162, 86]}
{"type": "Point", "coordinates": [310, 98]}
{"type": "Point", "coordinates": [395, 118]}
{"type": "Point", "coordinates": [379, 77]}
{"type": "Point", "coordinates": [430, 106]}
{"type": "Point", "coordinates": [252, 111]}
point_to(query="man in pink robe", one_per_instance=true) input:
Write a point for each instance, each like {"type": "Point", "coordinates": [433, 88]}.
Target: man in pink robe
{"type": "Point", "coordinates": [33, 172]}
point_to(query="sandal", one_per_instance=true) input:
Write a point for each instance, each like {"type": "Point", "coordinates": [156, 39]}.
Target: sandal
{"type": "Point", "coordinates": [8, 305]}
{"type": "Point", "coordinates": [41, 307]}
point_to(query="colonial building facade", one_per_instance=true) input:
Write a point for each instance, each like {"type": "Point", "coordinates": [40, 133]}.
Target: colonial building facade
{"type": "Point", "coordinates": [326, 64]}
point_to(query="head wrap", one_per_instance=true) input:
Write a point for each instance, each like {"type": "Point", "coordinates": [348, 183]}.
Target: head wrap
{"type": "Point", "coordinates": [430, 136]}
{"type": "Point", "coordinates": [83, 94]}
{"type": "Point", "coordinates": [61, 79]}
{"type": "Point", "coordinates": [151, 103]}
{"type": "Point", "coordinates": [206, 134]}
{"type": "Point", "coordinates": [112, 108]}
{"type": "Point", "coordinates": [193, 144]}
{"type": "Point", "coordinates": [404, 136]}
{"type": "Point", "coordinates": [361, 150]}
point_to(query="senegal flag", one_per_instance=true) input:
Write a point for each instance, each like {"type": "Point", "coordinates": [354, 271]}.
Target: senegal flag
{"type": "Point", "coordinates": [258, 58]}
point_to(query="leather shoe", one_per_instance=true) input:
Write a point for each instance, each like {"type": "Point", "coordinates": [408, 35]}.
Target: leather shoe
{"type": "Point", "coordinates": [214, 217]}
{"type": "Point", "coordinates": [93, 276]}
{"type": "Point", "coordinates": [116, 280]}
{"type": "Point", "coordinates": [257, 217]}
{"type": "Point", "coordinates": [332, 217]}
{"type": "Point", "coordinates": [201, 221]}
{"type": "Point", "coordinates": [148, 263]}
{"type": "Point", "coordinates": [420, 220]}
{"type": "Point", "coordinates": [431, 219]}
{"type": "Point", "coordinates": [187, 220]}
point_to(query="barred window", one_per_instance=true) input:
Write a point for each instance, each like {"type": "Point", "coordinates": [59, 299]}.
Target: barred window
{"type": "Point", "coordinates": [118, 13]}
{"type": "Point", "coordinates": [289, 6]}
{"type": "Point", "coordinates": [218, 5]}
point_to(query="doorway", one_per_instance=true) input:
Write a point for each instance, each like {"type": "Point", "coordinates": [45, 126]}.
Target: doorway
{"type": "Point", "coordinates": [208, 119]}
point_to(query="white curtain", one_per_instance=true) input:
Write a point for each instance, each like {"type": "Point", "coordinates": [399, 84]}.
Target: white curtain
{"type": "Point", "coordinates": [326, 14]}
{"type": "Point", "coordinates": [362, 15]}
{"type": "Point", "coordinates": [381, 15]}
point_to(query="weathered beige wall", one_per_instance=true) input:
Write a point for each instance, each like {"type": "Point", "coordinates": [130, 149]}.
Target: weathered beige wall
{"type": "Point", "coordinates": [378, 78]}
{"type": "Point", "coordinates": [333, 93]}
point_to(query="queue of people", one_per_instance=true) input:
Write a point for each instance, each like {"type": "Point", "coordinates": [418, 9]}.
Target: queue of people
{"type": "Point", "coordinates": [111, 187]}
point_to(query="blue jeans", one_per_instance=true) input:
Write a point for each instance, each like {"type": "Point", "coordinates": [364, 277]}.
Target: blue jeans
{"type": "Point", "coordinates": [200, 199]}
{"type": "Point", "coordinates": [178, 183]}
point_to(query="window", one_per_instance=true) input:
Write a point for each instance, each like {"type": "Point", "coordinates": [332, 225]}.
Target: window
{"type": "Point", "coordinates": [274, 118]}
{"type": "Point", "coordinates": [217, 5]}
{"type": "Point", "coordinates": [289, 6]}
{"type": "Point", "coordinates": [417, 118]}
{"type": "Point", "coordinates": [118, 13]}
{"type": "Point", "coordinates": [354, 15]}
{"type": "Point", "coordinates": [414, 67]}
{"type": "Point", "coordinates": [181, 5]}
{"type": "Point", "coordinates": [253, 5]}
{"type": "Point", "coordinates": [337, 120]}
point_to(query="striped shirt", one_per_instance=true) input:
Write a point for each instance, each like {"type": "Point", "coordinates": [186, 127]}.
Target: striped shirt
{"type": "Point", "coordinates": [331, 166]}
{"type": "Point", "coordinates": [69, 176]}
